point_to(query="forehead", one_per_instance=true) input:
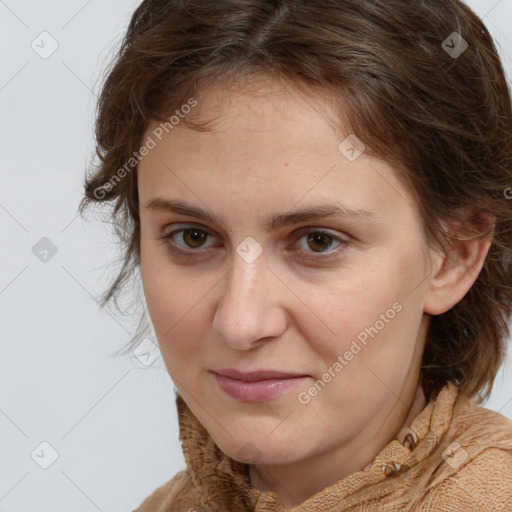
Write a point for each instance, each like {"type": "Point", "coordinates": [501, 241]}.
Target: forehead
{"type": "Point", "coordinates": [264, 108]}
{"type": "Point", "coordinates": [271, 121]}
{"type": "Point", "coordinates": [265, 142]}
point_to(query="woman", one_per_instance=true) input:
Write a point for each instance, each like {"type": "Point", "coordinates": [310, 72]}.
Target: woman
{"type": "Point", "coordinates": [316, 196]}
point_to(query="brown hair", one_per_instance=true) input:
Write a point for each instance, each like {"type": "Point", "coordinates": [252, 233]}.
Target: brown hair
{"type": "Point", "coordinates": [443, 120]}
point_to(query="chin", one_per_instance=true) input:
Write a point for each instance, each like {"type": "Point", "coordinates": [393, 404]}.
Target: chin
{"type": "Point", "coordinates": [260, 450]}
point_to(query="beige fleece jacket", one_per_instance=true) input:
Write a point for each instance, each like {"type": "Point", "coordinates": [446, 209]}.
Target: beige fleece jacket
{"type": "Point", "coordinates": [455, 457]}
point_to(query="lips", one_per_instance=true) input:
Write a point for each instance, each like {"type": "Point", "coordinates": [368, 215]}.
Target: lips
{"type": "Point", "coordinates": [256, 375]}
{"type": "Point", "coordinates": [257, 386]}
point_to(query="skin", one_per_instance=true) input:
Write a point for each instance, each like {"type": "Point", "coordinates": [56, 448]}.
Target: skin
{"type": "Point", "coordinates": [271, 152]}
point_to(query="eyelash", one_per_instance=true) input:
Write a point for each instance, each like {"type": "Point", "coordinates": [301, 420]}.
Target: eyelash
{"type": "Point", "coordinates": [167, 239]}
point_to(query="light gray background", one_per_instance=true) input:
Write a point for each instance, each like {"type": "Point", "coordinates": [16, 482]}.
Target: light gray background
{"type": "Point", "coordinates": [111, 420]}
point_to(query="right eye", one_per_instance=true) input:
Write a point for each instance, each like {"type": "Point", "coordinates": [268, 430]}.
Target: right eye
{"type": "Point", "coordinates": [192, 238]}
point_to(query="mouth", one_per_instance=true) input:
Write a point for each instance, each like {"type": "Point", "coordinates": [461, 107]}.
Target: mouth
{"type": "Point", "coordinates": [257, 375]}
{"type": "Point", "coordinates": [256, 386]}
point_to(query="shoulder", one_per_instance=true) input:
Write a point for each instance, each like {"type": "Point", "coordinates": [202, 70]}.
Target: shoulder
{"type": "Point", "coordinates": [478, 426]}
{"type": "Point", "coordinates": [177, 495]}
{"type": "Point", "coordinates": [475, 464]}
{"type": "Point", "coordinates": [482, 484]}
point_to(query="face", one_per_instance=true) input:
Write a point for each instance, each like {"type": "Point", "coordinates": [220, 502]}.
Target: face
{"type": "Point", "coordinates": [334, 299]}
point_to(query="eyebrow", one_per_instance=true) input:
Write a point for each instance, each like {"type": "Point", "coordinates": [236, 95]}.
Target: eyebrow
{"type": "Point", "coordinates": [276, 222]}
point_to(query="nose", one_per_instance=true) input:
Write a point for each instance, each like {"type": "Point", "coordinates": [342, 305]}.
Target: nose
{"type": "Point", "coordinates": [249, 310]}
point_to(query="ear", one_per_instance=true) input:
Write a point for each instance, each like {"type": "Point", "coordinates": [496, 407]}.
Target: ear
{"type": "Point", "coordinates": [455, 269]}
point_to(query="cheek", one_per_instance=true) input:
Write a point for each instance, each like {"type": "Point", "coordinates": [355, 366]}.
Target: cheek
{"type": "Point", "coordinates": [163, 294]}
{"type": "Point", "coordinates": [366, 313]}
{"type": "Point", "coordinates": [177, 304]}
{"type": "Point", "coordinates": [178, 337]}
{"type": "Point", "coordinates": [155, 285]}
{"type": "Point", "coordinates": [160, 283]}
{"type": "Point", "coordinates": [340, 309]}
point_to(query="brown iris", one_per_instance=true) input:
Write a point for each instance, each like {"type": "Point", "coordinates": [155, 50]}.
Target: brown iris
{"type": "Point", "coordinates": [317, 238]}
{"type": "Point", "coordinates": [194, 237]}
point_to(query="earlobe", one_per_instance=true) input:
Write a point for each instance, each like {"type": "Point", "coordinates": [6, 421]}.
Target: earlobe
{"type": "Point", "coordinates": [455, 271]}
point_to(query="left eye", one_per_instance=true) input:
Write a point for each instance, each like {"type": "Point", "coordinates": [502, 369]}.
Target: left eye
{"type": "Point", "coordinates": [318, 240]}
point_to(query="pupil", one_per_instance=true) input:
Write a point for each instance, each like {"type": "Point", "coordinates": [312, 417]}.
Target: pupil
{"type": "Point", "coordinates": [196, 237]}
{"type": "Point", "coordinates": [318, 239]}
